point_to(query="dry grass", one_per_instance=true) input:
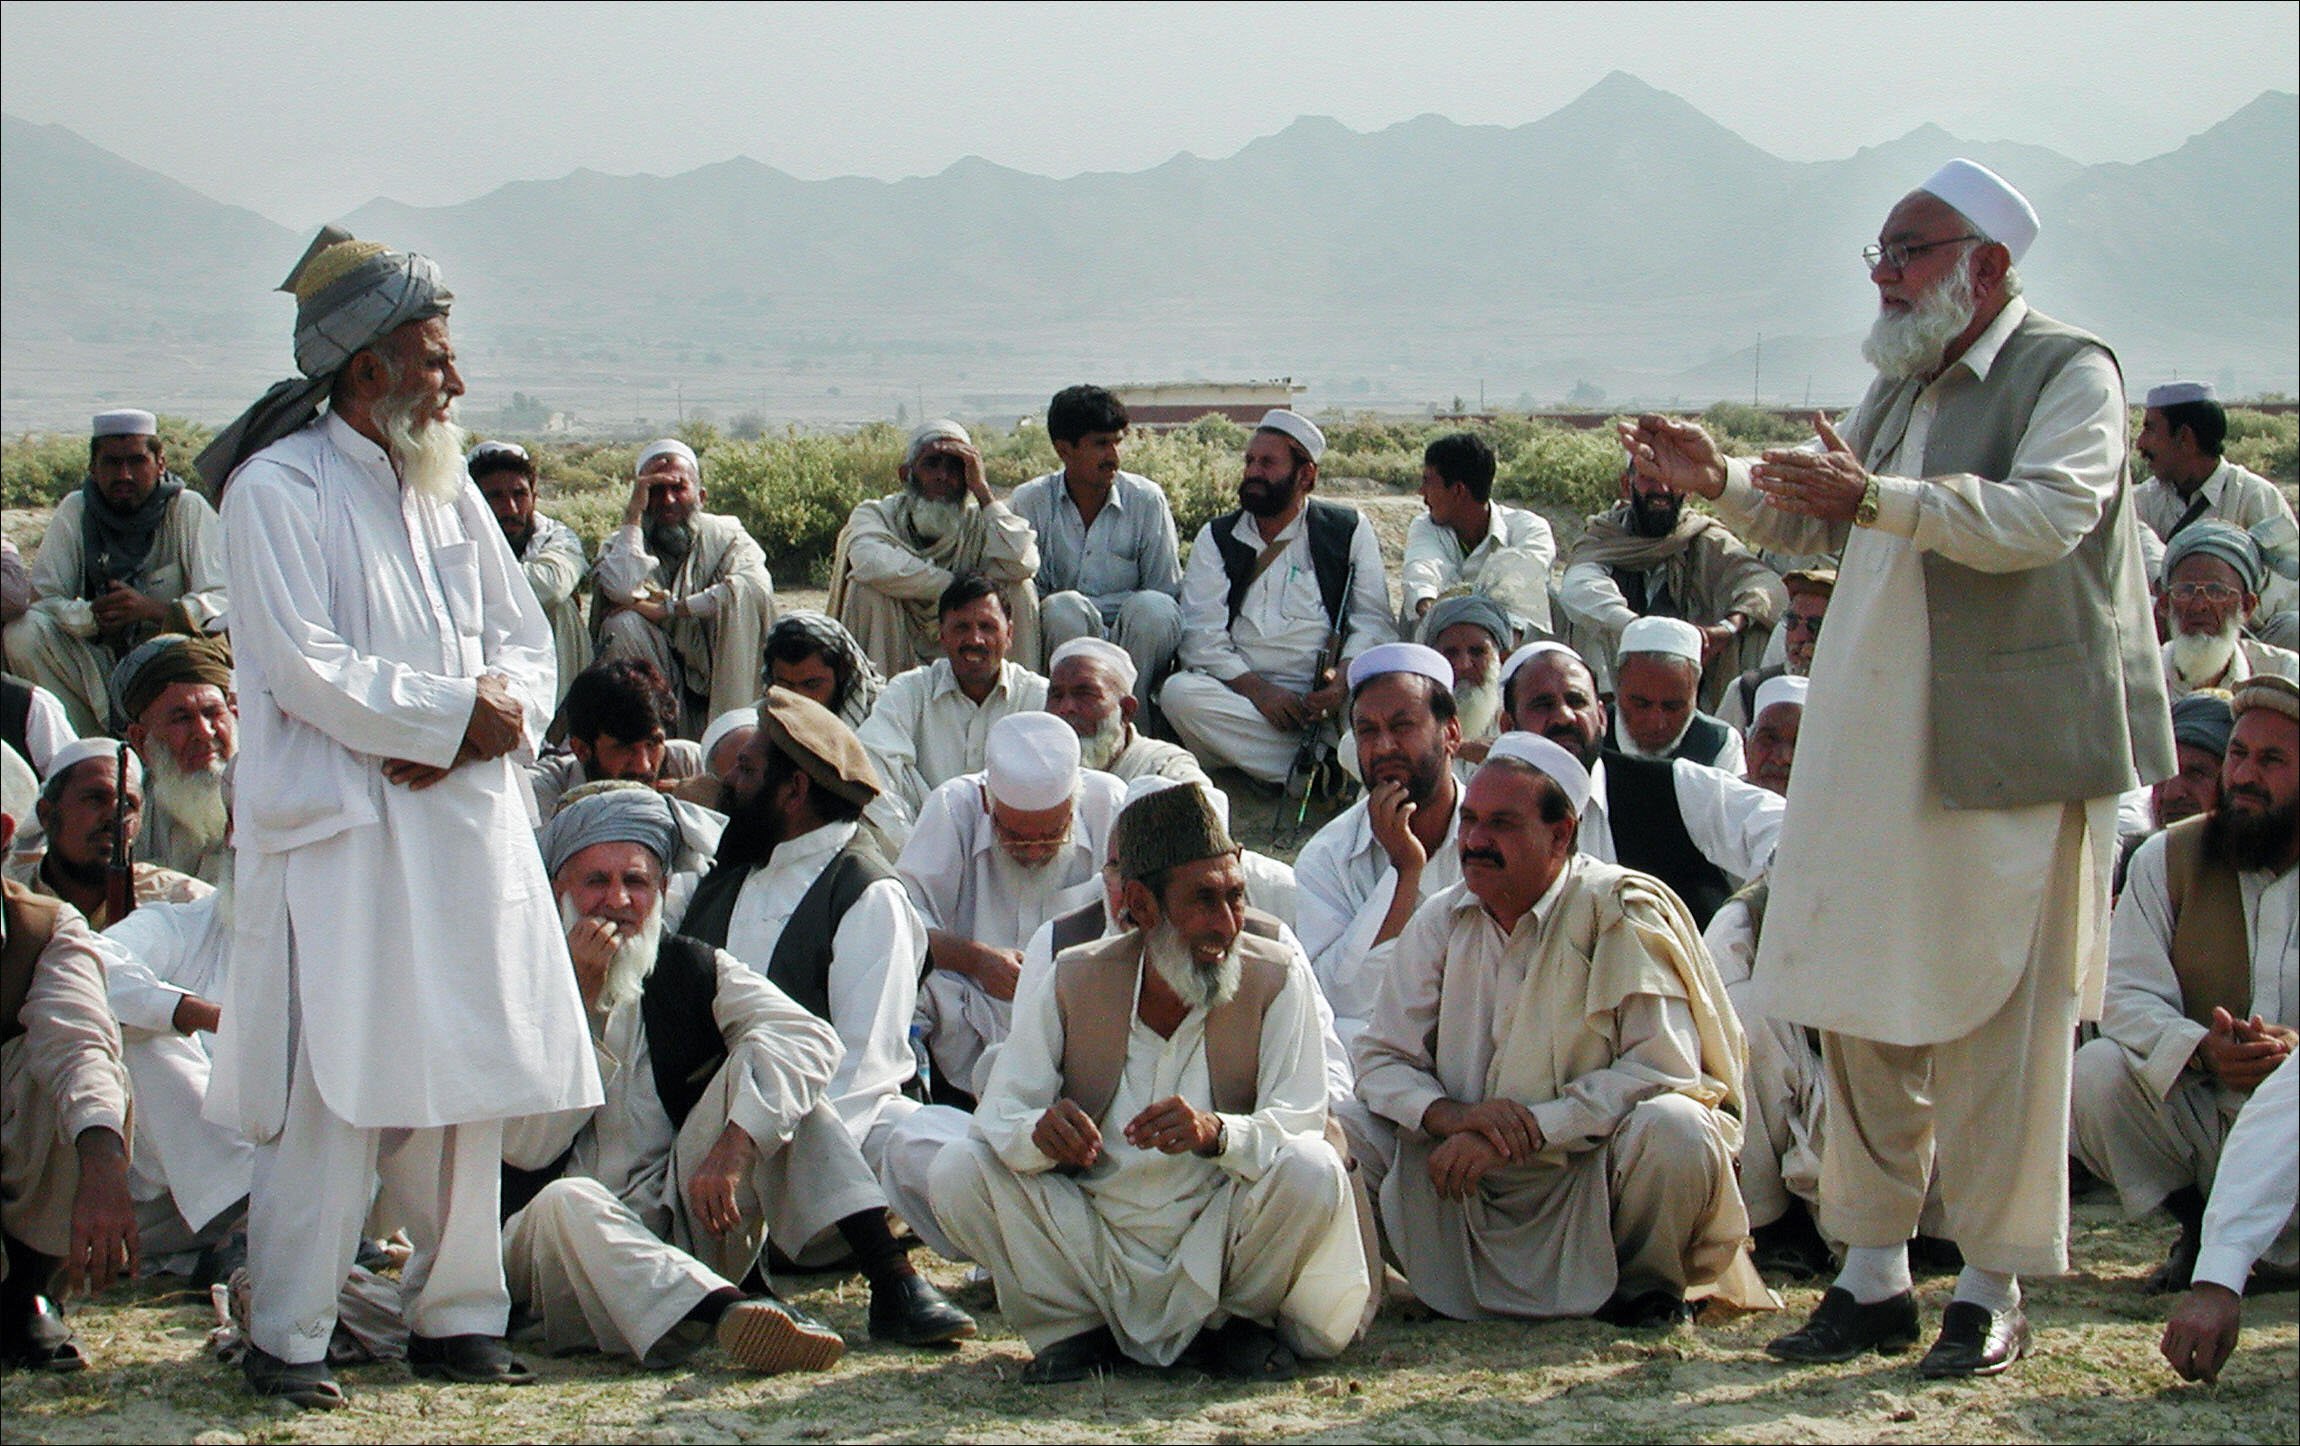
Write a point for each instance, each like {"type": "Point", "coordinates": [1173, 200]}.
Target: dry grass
{"type": "Point", "coordinates": [2097, 1377]}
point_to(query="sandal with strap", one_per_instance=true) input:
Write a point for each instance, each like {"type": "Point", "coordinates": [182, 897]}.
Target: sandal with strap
{"type": "Point", "coordinates": [309, 1384]}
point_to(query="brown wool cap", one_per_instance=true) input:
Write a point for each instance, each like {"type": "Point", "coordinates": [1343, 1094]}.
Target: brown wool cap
{"type": "Point", "coordinates": [825, 749]}
{"type": "Point", "coordinates": [1822, 580]}
{"type": "Point", "coordinates": [2276, 694]}
{"type": "Point", "coordinates": [1166, 829]}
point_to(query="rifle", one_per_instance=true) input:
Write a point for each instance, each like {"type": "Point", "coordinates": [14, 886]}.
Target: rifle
{"type": "Point", "coordinates": [120, 873]}
{"type": "Point", "coordinates": [1315, 770]}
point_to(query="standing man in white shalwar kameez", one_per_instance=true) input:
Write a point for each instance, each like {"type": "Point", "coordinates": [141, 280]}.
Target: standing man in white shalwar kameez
{"type": "Point", "coordinates": [1552, 1075]}
{"type": "Point", "coordinates": [1148, 1169]}
{"type": "Point", "coordinates": [1987, 686]}
{"type": "Point", "coordinates": [394, 670]}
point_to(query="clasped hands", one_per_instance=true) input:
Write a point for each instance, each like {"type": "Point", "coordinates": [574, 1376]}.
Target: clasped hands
{"type": "Point", "coordinates": [496, 726]}
{"type": "Point", "coordinates": [1476, 1139]}
{"type": "Point", "coordinates": [1286, 710]}
{"type": "Point", "coordinates": [1066, 1135]}
{"type": "Point", "coordinates": [2240, 1053]}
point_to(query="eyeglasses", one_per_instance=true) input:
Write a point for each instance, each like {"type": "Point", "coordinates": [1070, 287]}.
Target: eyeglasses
{"type": "Point", "coordinates": [1796, 623]}
{"type": "Point", "coordinates": [2218, 592]}
{"type": "Point", "coordinates": [1895, 256]}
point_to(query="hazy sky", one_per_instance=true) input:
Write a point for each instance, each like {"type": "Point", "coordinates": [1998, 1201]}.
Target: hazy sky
{"type": "Point", "coordinates": [303, 111]}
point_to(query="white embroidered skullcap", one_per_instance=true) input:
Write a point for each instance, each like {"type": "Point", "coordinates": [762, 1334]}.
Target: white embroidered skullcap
{"type": "Point", "coordinates": [1401, 658]}
{"type": "Point", "coordinates": [126, 422]}
{"type": "Point", "coordinates": [80, 750]}
{"type": "Point", "coordinates": [1671, 637]}
{"type": "Point", "coordinates": [1786, 688]}
{"type": "Point", "coordinates": [1531, 651]}
{"type": "Point", "coordinates": [732, 721]}
{"type": "Point", "coordinates": [1031, 761]}
{"type": "Point", "coordinates": [2173, 394]}
{"type": "Point", "coordinates": [1987, 200]}
{"type": "Point", "coordinates": [1550, 758]}
{"type": "Point", "coordinates": [941, 429]}
{"type": "Point", "coordinates": [1143, 785]}
{"type": "Point", "coordinates": [666, 447]}
{"type": "Point", "coordinates": [1296, 426]}
{"type": "Point", "coordinates": [1109, 655]}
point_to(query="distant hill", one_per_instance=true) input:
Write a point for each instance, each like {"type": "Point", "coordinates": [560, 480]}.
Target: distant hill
{"type": "Point", "coordinates": [1626, 242]}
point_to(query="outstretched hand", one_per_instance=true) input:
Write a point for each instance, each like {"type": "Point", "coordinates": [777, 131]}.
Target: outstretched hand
{"type": "Point", "coordinates": [1676, 454]}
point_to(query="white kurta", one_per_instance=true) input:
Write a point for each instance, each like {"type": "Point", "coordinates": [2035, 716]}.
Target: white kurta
{"type": "Point", "coordinates": [1345, 882]}
{"type": "Point", "coordinates": [1511, 564]}
{"type": "Point", "coordinates": [1281, 622]}
{"type": "Point", "coordinates": [364, 617]}
{"type": "Point", "coordinates": [1158, 1246]}
{"type": "Point", "coordinates": [555, 567]}
{"type": "Point", "coordinates": [2252, 1206]}
{"type": "Point", "coordinates": [1874, 872]}
{"type": "Point", "coordinates": [924, 731]}
{"type": "Point", "coordinates": [153, 958]}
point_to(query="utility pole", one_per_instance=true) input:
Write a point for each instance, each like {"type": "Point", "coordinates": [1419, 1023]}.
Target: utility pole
{"type": "Point", "coordinates": [681, 394]}
{"type": "Point", "coordinates": [1757, 371]}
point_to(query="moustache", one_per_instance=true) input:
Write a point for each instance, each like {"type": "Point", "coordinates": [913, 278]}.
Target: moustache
{"type": "Point", "coordinates": [2249, 792]}
{"type": "Point", "coordinates": [1481, 856]}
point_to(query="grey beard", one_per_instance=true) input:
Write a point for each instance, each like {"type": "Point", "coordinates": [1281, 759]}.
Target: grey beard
{"type": "Point", "coordinates": [429, 455]}
{"type": "Point", "coordinates": [1477, 705]}
{"type": "Point", "coordinates": [2201, 657]}
{"type": "Point", "coordinates": [671, 541]}
{"type": "Point", "coordinates": [933, 521]}
{"type": "Point", "coordinates": [1097, 749]}
{"type": "Point", "coordinates": [1201, 986]}
{"type": "Point", "coordinates": [634, 958]}
{"type": "Point", "coordinates": [194, 801]}
{"type": "Point", "coordinates": [1912, 343]}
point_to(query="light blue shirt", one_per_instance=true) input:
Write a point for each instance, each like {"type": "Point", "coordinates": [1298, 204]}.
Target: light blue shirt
{"type": "Point", "coordinates": [1130, 548]}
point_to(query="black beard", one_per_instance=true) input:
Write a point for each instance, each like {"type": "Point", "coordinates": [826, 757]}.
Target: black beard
{"type": "Point", "coordinates": [519, 539]}
{"type": "Point", "coordinates": [1263, 498]}
{"type": "Point", "coordinates": [89, 875]}
{"type": "Point", "coordinates": [2249, 838]}
{"type": "Point", "coordinates": [1654, 516]}
{"type": "Point", "coordinates": [752, 831]}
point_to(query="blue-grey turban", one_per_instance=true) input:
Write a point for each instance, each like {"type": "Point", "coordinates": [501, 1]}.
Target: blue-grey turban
{"type": "Point", "coordinates": [2203, 720]}
{"type": "Point", "coordinates": [2214, 538]}
{"type": "Point", "coordinates": [350, 294]}
{"type": "Point", "coordinates": [610, 812]}
{"type": "Point", "coordinates": [1473, 607]}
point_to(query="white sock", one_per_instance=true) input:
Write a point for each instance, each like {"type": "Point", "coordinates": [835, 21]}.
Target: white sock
{"type": "Point", "coordinates": [1874, 1272]}
{"type": "Point", "coordinates": [1995, 1291]}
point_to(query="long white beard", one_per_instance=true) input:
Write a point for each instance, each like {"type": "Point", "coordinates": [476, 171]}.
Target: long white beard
{"type": "Point", "coordinates": [1911, 343]}
{"type": "Point", "coordinates": [1201, 986]}
{"type": "Point", "coordinates": [1106, 742]}
{"type": "Point", "coordinates": [933, 521]}
{"type": "Point", "coordinates": [2201, 657]}
{"type": "Point", "coordinates": [1477, 705]}
{"type": "Point", "coordinates": [193, 801]}
{"type": "Point", "coordinates": [429, 454]}
{"type": "Point", "coordinates": [634, 958]}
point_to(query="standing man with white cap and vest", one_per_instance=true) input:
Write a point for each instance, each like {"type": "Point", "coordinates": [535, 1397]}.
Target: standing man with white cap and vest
{"type": "Point", "coordinates": [989, 862]}
{"type": "Point", "coordinates": [1265, 588]}
{"type": "Point", "coordinates": [132, 553]}
{"type": "Point", "coordinates": [1987, 686]}
{"type": "Point", "coordinates": [684, 589]}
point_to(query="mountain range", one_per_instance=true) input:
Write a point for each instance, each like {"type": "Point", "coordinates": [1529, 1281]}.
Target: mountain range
{"type": "Point", "coordinates": [1625, 247]}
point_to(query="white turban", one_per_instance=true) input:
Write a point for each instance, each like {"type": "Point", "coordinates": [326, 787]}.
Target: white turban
{"type": "Point", "coordinates": [1671, 637]}
{"type": "Point", "coordinates": [728, 722]}
{"type": "Point", "coordinates": [1987, 200]}
{"type": "Point", "coordinates": [1784, 689]}
{"type": "Point", "coordinates": [1401, 658]}
{"type": "Point", "coordinates": [1295, 425]}
{"type": "Point", "coordinates": [666, 447]}
{"type": "Point", "coordinates": [941, 429]}
{"type": "Point", "coordinates": [1031, 761]}
{"type": "Point", "coordinates": [126, 422]}
{"type": "Point", "coordinates": [1550, 758]}
{"type": "Point", "coordinates": [1109, 655]}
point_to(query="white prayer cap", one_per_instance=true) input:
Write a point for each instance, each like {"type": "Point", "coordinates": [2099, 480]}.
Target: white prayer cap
{"type": "Point", "coordinates": [728, 722]}
{"type": "Point", "coordinates": [1531, 651]}
{"type": "Point", "coordinates": [19, 785]}
{"type": "Point", "coordinates": [1987, 200]}
{"type": "Point", "coordinates": [508, 449]}
{"type": "Point", "coordinates": [1670, 637]}
{"type": "Point", "coordinates": [1146, 784]}
{"type": "Point", "coordinates": [1296, 426]}
{"type": "Point", "coordinates": [80, 750]}
{"type": "Point", "coordinates": [126, 422]}
{"type": "Point", "coordinates": [2171, 394]}
{"type": "Point", "coordinates": [1550, 758]}
{"type": "Point", "coordinates": [1401, 658]}
{"type": "Point", "coordinates": [666, 447]}
{"type": "Point", "coordinates": [1031, 761]}
{"type": "Point", "coordinates": [1784, 689]}
{"type": "Point", "coordinates": [1109, 655]}
{"type": "Point", "coordinates": [941, 429]}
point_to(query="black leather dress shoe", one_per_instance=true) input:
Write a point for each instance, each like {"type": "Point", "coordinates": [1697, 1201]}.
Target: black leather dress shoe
{"type": "Point", "coordinates": [909, 1311]}
{"type": "Point", "coordinates": [1976, 1341]}
{"type": "Point", "coordinates": [1841, 1328]}
{"type": "Point", "coordinates": [473, 1360]}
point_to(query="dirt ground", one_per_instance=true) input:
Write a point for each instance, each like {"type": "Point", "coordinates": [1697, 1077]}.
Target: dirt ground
{"type": "Point", "coordinates": [2096, 1378]}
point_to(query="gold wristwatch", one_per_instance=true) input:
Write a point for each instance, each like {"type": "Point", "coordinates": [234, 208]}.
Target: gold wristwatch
{"type": "Point", "coordinates": [1865, 515]}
